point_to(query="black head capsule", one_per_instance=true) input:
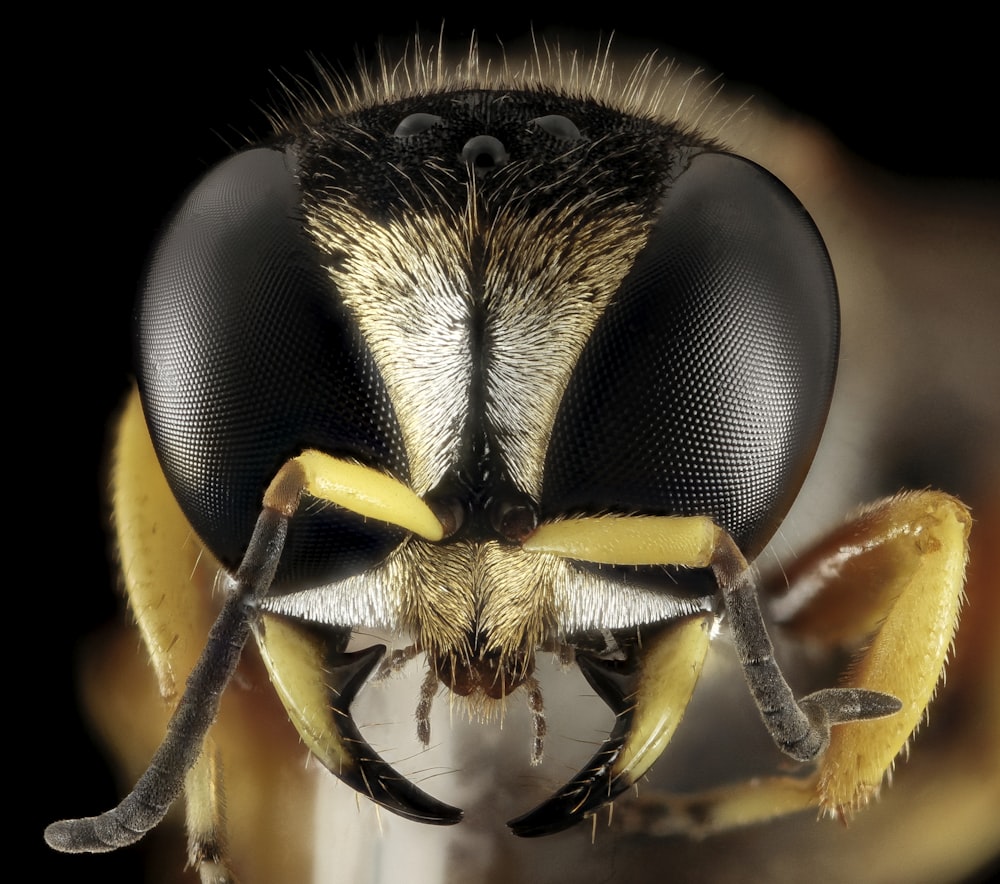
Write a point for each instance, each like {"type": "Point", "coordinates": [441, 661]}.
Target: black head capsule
{"type": "Point", "coordinates": [625, 321]}
{"type": "Point", "coordinates": [625, 326]}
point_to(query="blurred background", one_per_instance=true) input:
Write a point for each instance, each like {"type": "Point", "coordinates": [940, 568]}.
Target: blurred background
{"type": "Point", "coordinates": [884, 128]}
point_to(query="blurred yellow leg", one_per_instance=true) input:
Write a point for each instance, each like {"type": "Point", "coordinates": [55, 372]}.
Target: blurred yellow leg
{"type": "Point", "coordinates": [893, 577]}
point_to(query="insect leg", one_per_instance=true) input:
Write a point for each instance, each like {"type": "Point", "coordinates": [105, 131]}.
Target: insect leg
{"type": "Point", "coordinates": [892, 576]}
{"type": "Point", "coordinates": [205, 818]}
{"type": "Point", "coordinates": [800, 729]}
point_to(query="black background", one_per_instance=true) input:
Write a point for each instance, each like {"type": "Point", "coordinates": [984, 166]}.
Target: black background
{"type": "Point", "coordinates": [124, 126]}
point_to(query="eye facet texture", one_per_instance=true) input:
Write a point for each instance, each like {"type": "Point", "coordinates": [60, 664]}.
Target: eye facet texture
{"type": "Point", "coordinates": [246, 359]}
{"type": "Point", "coordinates": [704, 389]}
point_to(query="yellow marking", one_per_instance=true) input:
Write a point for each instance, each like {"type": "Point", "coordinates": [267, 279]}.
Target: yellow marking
{"type": "Point", "coordinates": [687, 541]}
{"type": "Point", "coordinates": [367, 492]}
{"type": "Point", "coordinates": [920, 546]}
{"type": "Point", "coordinates": [296, 664]}
{"type": "Point", "coordinates": [205, 802]}
{"type": "Point", "coordinates": [671, 666]}
{"type": "Point", "coordinates": [168, 574]}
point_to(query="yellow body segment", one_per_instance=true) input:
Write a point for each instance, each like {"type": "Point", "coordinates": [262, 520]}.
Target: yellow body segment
{"type": "Point", "coordinates": [367, 492]}
{"type": "Point", "coordinates": [671, 668]}
{"type": "Point", "coordinates": [164, 566]}
{"type": "Point", "coordinates": [919, 544]}
{"type": "Point", "coordinates": [687, 542]}
{"type": "Point", "coordinates": [206, 815]}
{"type": "Point", "coordinates": [296, 663]}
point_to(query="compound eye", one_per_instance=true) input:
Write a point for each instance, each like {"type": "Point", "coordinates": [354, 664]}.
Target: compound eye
{"type": "Point", "coordinates": [558, 126]}
{"type": "Point", "coordinates": [247, 357]}
{"type": "Point", "coordinates": [416, 124]}
{"type": "Point", "coordinates": [704, 388]}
